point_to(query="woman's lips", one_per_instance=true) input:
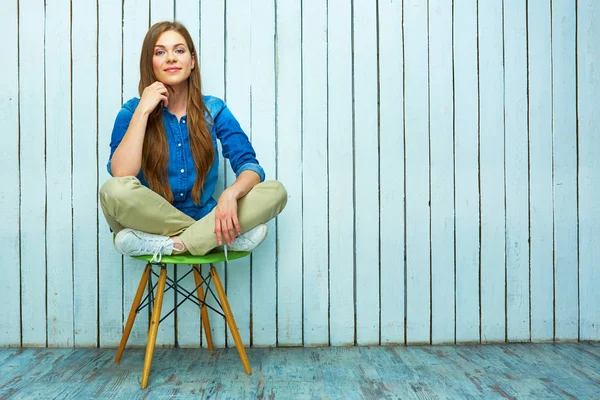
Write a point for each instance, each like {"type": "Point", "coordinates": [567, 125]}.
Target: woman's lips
{"type": "Point", "coordinates": [172, 69]}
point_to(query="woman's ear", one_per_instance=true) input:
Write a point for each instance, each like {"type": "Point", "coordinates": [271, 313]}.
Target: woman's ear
{"type": "Point", "coordinates": [193, 61]}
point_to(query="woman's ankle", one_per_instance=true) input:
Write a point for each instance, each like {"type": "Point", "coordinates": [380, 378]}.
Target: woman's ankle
{"type": "Point", "coordinates": [178, 246]}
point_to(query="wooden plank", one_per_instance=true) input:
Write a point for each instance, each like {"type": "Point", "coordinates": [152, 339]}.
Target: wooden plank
{"type": "Point", "coordinates": [164, 10]}
{"type": "Point", "coordinates": [442, 171]}
{"type": "Point", "coordinates": [516, 164]}
{"type": "Point", "coordinates": [566, 312]}
{"type": "Point", "coordinates": [212, 68]}
{"type": "Point", "coordinates": [188, 13]}
{"type": "Point", "coordinates": [135, 26]}
{"type": "Point", "coordinates": [84, 175]}
{"type": "Point", "coordinates": [341, 173]}
{"type": "Point", "coordinates": [10, 317]}
{"type": "Point", "coordinates": [417, 158]}
{"type": "Point", "coordinates": [492, 203]}
{"type": "Point", "coordinates": [237, 94]}
{"type": "Point", "coordinates": [588, 62]}
{"type": "Point", "coordinates": [540, 171]}
{"type": "Point", "coordinates": [366, 167]}
{"type": "Point", "coordinates": [441, 125]}
{"type": "Point", "coordinates": [264, 258]}
{"type": "Point", "coordinates": [110, 264]}
{"type": "Point", "coordinates": [59, 225]}
{"type": "Point", "coordinates": [370, 372]}
{"type": "Point", "coordinates": [289, 171]}
{"type": "Point", "coordinates": [391, 165]}
{"type": "Point", "coordinates": [188, 315]}
{"type": "Point", "coordinates": [314, 177]}
{"type": "Point", "coordinates": [466, 168]}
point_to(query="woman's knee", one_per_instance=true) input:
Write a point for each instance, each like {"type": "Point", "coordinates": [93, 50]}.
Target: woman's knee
{"type": "Point", "coordinates": [119, 188]}
{"type": "Point", "coordinates": [278, 192]}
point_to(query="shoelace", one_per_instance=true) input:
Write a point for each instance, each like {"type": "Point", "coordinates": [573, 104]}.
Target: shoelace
{"type": "Point", "coordinates": [157, 255]}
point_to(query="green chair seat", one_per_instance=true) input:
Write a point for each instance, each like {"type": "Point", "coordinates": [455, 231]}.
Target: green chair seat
{"type": "Point", "coordinates": [187, 258]}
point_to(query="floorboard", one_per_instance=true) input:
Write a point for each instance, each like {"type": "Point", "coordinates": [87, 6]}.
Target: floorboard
{"type": "Point", "coordinates": [511, 371]}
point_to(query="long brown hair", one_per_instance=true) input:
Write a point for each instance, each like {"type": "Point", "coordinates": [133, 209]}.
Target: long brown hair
{"type": "Point", "coordinates": [155, 154]}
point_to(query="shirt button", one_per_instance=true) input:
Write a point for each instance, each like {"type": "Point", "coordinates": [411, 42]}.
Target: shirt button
{"type": "Point", "coordinates": [181, 194]}
{"type": "Point", "coordinates": [183, 121]}
{"type": "Point", "coordinates": [182, 170]}
{"type": "Point", "coordinates": [179, 144]}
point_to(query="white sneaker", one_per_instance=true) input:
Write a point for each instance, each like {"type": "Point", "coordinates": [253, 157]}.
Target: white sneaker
{"type": "Point", "coordinates": [131, 242]}
{"type": "Point", "coordinates": [250, 240]}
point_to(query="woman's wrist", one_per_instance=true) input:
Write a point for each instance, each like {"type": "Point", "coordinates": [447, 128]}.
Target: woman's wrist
{"type": "Point", "coordinates": [233, 193]}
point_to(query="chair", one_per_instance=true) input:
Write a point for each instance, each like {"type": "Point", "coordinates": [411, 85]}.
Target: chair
{"type": "Point", "coordinates": [155, 296]}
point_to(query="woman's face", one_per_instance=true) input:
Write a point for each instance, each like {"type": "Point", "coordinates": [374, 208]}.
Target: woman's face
{"type": "Point", "coordinates": [172, 61]}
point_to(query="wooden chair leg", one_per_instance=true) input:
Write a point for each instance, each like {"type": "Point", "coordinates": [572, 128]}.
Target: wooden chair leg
{"type": "Point", "coordinates": [203, 309]}
{"type": "Point", "coordinates": [230, 320]}
{"type": "Point", "coordinates": [160, 292]}
{"type": "Point", "coordinates": [132, 313]}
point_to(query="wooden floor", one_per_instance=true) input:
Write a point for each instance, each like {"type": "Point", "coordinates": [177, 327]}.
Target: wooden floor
{"type": "Point", "coordinates": [521, 371]}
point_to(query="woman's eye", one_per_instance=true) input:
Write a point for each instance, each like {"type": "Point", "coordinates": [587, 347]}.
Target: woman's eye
{"type": "Point", "coordinates": [159, 53]}
{"type": "Point", "coordinates": [180, 51]}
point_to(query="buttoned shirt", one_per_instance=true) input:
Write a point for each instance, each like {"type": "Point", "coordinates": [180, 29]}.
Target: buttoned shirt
{"type": "Point", "coordinates": [181, 170]}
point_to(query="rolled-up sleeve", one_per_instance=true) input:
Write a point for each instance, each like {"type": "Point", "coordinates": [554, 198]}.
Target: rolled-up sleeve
{"type": "Point", "coordinates": [236, 146]}
{"type": "Point", "coordinates": [119, 129]}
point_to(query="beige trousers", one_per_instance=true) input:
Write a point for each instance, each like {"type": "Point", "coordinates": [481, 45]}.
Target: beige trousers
{"type": "Point", "coordinates": [127, 203]}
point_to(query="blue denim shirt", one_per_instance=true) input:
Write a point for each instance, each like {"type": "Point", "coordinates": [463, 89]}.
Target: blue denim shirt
{"type": "Point", "coordinates": [181, 170]}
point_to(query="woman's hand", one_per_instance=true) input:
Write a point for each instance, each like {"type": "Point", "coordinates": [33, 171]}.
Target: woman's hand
{"type": "Point", "coordinates": [127, 158]}
{"type": "Point", "coordinates": [152, 96]}
{"type": "Point", "coordinates": [227, 226]}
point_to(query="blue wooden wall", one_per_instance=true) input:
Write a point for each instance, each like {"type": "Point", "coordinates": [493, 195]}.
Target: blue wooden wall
{"type": "Point", "coordinates": [441, 159]}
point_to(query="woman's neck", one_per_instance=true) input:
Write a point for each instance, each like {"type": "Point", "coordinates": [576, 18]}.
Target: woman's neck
{"type": "Point", "coordinates": [178, 100]}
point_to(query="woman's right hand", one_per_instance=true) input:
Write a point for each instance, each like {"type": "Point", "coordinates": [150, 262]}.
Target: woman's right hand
{"type": "Point", "coordinates": [127, 158]}
{"type": "Point", "coordinates": [152, 96]}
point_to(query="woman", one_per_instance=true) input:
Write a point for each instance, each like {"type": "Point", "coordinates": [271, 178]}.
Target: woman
{"type": "Point", "coordinates": [164, 162]}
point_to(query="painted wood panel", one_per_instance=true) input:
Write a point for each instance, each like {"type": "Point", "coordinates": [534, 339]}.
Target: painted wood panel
{"type": "Point", "coordinates": [588, 74]}
{"type": "Point", "coordinates": [492, 172]}
{"type": "Point", "coordinates": [10, 319]}
{"type": "Point", "coordinates": [288, 78]}
{"type": "Point", "coordinates": [417, 164]}
{"type": "Point", "coordinates": [32, 151]}
{"type": "Point", "coordinates": [440, 161]}
{"type": "Point", "coordinates": [264, 259]}
{"type": "Point", "coordinates": [366, 175]}
{"type": "Point", "coordinates": [59, 218]}
{"type": "Point", "coordinates": [516, 164]}
{"type": "Point", "coordinates": [315, 187]}
{"type": "Point", "coordinates": [540, 171]}
{"type": "Point", "coordinates": [85, 173]}
{"type": "Point", "coordinates": [110, 81]}
{"type": "Point", "coordinates": [391, 181]}
{"type": "Point", "coordinates": [441, 126]}
{"type": "Point", "coordinates": [466, 171]}
{"type": "Point", "coordinates": [564, 119]}
{"type": "Point", "coordinates": [341, 177]}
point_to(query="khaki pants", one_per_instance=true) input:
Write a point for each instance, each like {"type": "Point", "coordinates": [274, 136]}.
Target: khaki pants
{"type": "Point", "coordinates": [127, 203]}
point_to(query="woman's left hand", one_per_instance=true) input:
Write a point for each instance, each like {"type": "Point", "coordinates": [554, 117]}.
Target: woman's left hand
{"type": "Point", "coordinates": [227, 226]}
